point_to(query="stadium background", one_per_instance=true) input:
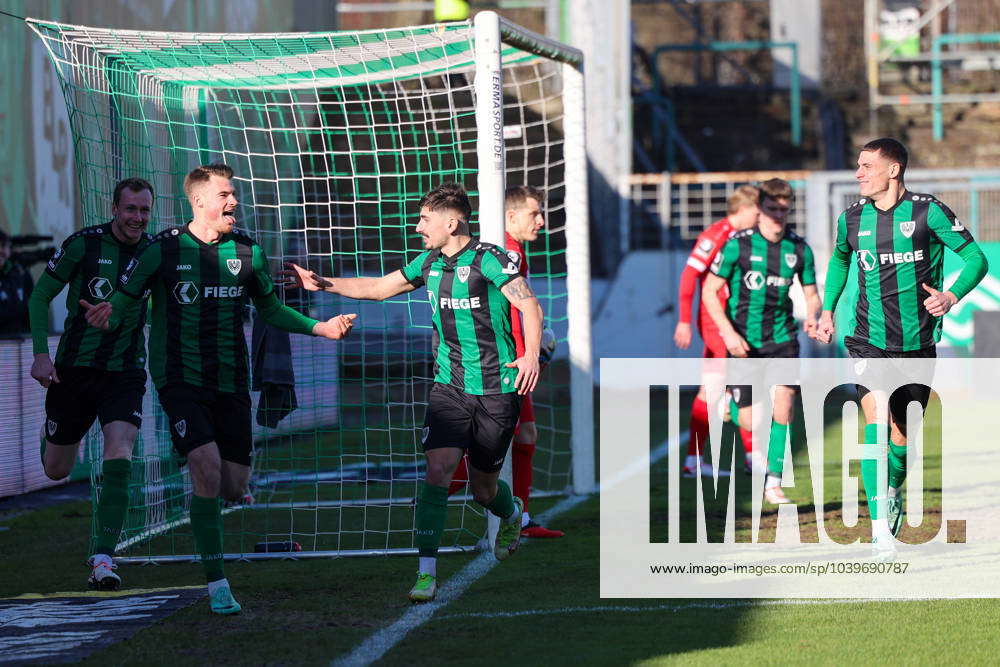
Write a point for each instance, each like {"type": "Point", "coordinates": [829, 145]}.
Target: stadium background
{"type": "Point", "coordinates": [667, 143]}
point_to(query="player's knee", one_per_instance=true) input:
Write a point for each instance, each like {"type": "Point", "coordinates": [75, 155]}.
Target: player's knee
{"type": "Point", "coordinates": [438, 473]}
{"type": "Point", "coordinates": [527, 435]}
{"type": "Point", "coordinates": [57, 470]}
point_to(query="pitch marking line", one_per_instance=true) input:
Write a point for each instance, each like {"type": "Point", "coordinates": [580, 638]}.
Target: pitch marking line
{"type": "Point", "coordinates": [674, 607]}
{"type": "Point", "coordinates": [381, 642]}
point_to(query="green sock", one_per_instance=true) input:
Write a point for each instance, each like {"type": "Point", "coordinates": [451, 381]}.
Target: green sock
{"type": "Point", "coordinates": [41, 447]}
{"type": "Point", "coordinates": [113, 504]}
{"type": "Point", "coordinates": [432, 509]}
{"type": "Point", "coordinates": [502, 504]}
{"type": "Point", "coordinates": [897, 465]}
{"type": "Point", "coordinates": [776, 448]}
{"type": "Point", "coordinates": [869, 469]}
{"type": "Point", "coordinates": [734, 412]}
{"type": "Point", "coordinates": [206, 522]}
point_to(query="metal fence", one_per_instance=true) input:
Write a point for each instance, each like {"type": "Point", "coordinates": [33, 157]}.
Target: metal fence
{"type": "Point", "coordinates": [668, 211]}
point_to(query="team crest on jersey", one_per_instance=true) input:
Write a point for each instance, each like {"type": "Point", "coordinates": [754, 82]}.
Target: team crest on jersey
{"type": "Point", "coordinates": [463, 273]}
{"type": "Point", "coordinates": [906, 228]}
{"type": "Point", "coordinates": [791, 259]}
{"type": "Point", "coordinates": [51, 426]}
{"type": "Point", "coordinates": [181, 427]}
{"type": "Point", "coordinates": [860, 366]}
{"type": "Point", "coordinates": [234, 266]}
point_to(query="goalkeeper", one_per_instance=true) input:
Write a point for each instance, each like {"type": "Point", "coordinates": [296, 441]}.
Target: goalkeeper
{"type": "Point", "coordinates": [475, 400]}
{"type": "Point", "coordinates": [201, 276]}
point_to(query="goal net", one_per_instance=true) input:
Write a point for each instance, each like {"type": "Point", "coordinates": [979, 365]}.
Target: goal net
{"type": "Point", "coordinates": [333, 138]}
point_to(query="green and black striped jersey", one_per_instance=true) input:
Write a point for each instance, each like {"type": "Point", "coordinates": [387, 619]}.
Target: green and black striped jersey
{"type": "Point", "coordinates": [897, 250]}
{"type": "Point", "coordinates": [92, 261]}
{"type": "Point", "coordinates": [760, 274]}
{"type": "Point", "coordinates": [471, 317]}
{"type": "Point", "coordinates": [199, 293]}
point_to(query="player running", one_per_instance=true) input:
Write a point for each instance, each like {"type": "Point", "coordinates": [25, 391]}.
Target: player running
{"type": "Point", "coordinates": [479, 380]}
{"type": "Point", "coordinates": [201, 276]}
{"type": "Point", "coordinates": [96, 375]}
{"type": "Point", "coordinates": [523, 221]}
{"type": "Point", "coordinates": [759, 265]}
{"type": "Point", "coordinates": [742, 214]}
{"type": "Point", "coordinates": [898, 238]}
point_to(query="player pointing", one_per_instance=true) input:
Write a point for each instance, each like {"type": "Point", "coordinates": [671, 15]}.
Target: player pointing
{"type": "Point", "coordinates": [475, 400]}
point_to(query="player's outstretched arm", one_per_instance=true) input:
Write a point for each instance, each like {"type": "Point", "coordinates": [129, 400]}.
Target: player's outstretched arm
{"type": "Point", "coordinates": [735, 343]}
{"type": "Point", "coordinates": [374, 289]}
{"type": "Point", "coordinates": [521, 296]}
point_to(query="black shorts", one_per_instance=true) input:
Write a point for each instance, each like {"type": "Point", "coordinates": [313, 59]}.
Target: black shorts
{"type": "Point", "coordinates": [904, 395]}
{"type": "Point", "coordinates": [484, 425]}
{"type": "Point", "coordinates": [199, 416]}
{"type": "Point", "coordinates": [84, 394]}
{"type": "Point", "coordinates": [742, 395]}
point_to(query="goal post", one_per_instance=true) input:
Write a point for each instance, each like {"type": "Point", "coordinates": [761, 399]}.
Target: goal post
{"type": "Point", "coordinates": [334, 137]}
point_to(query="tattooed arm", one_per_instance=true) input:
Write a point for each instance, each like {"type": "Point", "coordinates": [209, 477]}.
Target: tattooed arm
{"type": "Point", "coordinates": [520, 295]}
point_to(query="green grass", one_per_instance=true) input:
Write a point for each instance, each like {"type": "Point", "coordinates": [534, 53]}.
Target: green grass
{"type": "Point", "coordinates": [310, 612]}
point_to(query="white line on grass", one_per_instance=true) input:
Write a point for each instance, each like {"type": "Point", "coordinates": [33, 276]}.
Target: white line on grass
{"type": "Point", "coordinates": [674, 607]}
{"type": "Point", "coordinates": [380, 643]}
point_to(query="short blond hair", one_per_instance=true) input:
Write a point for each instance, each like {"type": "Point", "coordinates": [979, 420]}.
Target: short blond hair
{"type": "Point", "coordinates": [203, 174]}
{"type": "Point", "coordinates": [745, 195]}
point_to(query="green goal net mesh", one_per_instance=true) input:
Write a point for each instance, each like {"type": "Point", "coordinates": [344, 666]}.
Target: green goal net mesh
{"type": "Point", "coordinates": [333, 138]}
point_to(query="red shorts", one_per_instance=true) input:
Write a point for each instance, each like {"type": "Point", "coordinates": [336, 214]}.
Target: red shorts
{"type": "Point", "coordinates": [527, 413]}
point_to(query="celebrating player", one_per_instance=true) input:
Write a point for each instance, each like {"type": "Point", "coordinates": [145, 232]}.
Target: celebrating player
{"type": "Point", "coordinates": [523, 221]}
{"type": "Point", "coordinates": [96, 375]}
{"type": "Point", "coordinates": [201, 276]}
{"type": "Point", "coordinates": [899, 238]}
{"type": "Point", "coordinates": [742, 214]}
{"type": "Point", "coordinates": [479, 380]}
{"type": "Point", "coordinates": [759, 266]}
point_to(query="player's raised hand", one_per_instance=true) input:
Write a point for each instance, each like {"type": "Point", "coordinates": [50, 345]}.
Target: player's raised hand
{"type": "Point", "coordinates": [736, 344]}
{"type": "Point", "coordinates": [335, 328]}
{"type": "Point", "coordinates": [527, 373]}
{"type": "Point", "coordinates": [295, 276]}
{"type": "Point", "coordinates": [682, 335]}
{"type": "Point", "coordinates": [824, 328]}
{"type": "Point", "coordinates": [938, 303]}
{"type": "Point", "coordinates": [43, 370]}
{"type": "Point", "coordinates": [98, 314]}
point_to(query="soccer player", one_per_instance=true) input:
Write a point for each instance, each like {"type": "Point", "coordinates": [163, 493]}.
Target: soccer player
{"type": "Point", "coordinates": [523, 220]}
{"type": "Point", "coordinates": [475, 399]}
{"type": "Point", "coordinates": [201, 276]}
{"type": "Point", "coordinates": [96, 375]}
{"type": "Point", "coordinates": [760, 266]}
{"type": "Point", "coordinates": [742, 213]}
{"type": "Point", "coordinates": [898, 238]}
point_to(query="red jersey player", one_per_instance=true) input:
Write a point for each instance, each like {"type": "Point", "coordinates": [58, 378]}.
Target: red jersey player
{"type": "Point", "coordinates": [742, 214]}
{"type": "Point", "coordinates": [523, 221]}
